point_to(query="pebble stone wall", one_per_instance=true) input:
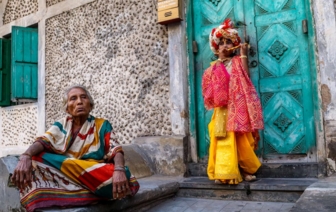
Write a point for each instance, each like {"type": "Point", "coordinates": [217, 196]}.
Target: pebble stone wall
{"type": "Point", "coordinates": [16, 9]}
{"type": "Point", "coordinates": [118, 51]}
{"type": "Point", "coordinates": [19, 126]}
{"type": "Point", "coordinates": [52, 2]}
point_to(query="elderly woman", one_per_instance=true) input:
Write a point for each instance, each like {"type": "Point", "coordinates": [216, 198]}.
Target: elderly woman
{"type": "Point", "coordinates": [76, 162]}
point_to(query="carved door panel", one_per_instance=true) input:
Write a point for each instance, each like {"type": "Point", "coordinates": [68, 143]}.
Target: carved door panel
{"type": "Point", "coordinates": [284, 76]}
{"type": "Point", "coordinates": [279, 67]}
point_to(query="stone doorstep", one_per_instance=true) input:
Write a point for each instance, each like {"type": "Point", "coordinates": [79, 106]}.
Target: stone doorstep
{"type": "Point", "coordinates": [319, 196]}
{"type": "Point", "coordinates": [268, 170]}
{"type": "Point", "coordinates": [263, 184]}
{"type": "Point", "coordinates": [153, 190]}
{"type": "Point", "coordinates": [265, 189]}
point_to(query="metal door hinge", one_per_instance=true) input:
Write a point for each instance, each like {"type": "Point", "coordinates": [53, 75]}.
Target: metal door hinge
{"type": "Point", "coordinates": [304, 26]}
{"type": "Point", "coordinates": [194, 47]}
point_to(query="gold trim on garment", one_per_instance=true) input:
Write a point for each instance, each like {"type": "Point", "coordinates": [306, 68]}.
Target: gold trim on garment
{"type": "Point", "coordinates": [220, 122]}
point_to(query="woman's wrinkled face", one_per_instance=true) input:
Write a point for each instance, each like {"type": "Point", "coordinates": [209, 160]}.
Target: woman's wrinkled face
{"type": "Point", "coordinates": [78, 103]}
{"type": "Point", "coordinates": [225, 44]}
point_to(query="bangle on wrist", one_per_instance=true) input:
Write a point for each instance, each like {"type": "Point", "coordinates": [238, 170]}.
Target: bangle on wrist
{"type": "Point", "coordinates": [119, 168]}
{"type": "Point", "coordinates": [30, 157]}
{"type": "Point", "coordinates": [243, 56]}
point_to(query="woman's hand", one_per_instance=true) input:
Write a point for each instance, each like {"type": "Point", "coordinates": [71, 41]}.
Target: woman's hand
{"type": "Point", "coordinates": [22, 175]}
{"type": "Point", "coordinates": [243, 49]}
{"type": "Point", "coordinates": [120, 184]}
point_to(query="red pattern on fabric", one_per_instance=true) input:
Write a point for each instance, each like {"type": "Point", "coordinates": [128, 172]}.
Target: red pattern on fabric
{"type": "Point", "coordinates": [133, 185]}
{"type": "Point", "coordinates": [90, 132]}
{"type": "Point", "coordinates": [244, 107]}
{"type": "Point", "coordinates": [54, 199]}
{"type": "Point", "coordinates": [228, 24]}
{"type": "Point", "coordinates": [215, 86]}
{"type": "Point", "coordinates": [114, 152]}
{"type": "Point", "coordinates": [38, 157]}
{"type": "Point", "coordinates": [107, 142]}
{"type": "Point", "coordinates": [93, 178]}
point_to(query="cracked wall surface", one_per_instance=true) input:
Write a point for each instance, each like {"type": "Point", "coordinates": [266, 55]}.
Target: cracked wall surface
{"type": "Point", "coordinates": [325, 19]}
{"type": "Point", "coordinates": [52, 2]}
{"type": "Point", "coordinates": [118, 51]}
{"type": "Point", "coordinates": [16, 9]}
{"type": "Point", "coordinates": [18, 126]}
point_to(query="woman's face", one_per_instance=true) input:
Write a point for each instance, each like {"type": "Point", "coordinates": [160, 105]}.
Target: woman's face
{"type": "Point", "coordinates": [225, 44]}
{"type": "Point", "coordinates": [78, 103]}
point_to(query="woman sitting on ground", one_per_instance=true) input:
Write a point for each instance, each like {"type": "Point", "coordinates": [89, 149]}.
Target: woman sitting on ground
{"type": "Point", "coordinates": [76, 162]}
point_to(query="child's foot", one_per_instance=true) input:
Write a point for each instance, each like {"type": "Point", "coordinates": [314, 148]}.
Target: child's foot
{"type": "Point", "coordinates": [218, 182]}
{"type": "Point", "coordinates": [250, 178]}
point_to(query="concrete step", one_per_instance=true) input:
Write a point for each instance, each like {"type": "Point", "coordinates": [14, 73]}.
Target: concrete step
{"type": "Point", "coordinates": [319, 196]}
{"type": "Point", "coordinates": [153, 190]}
{"type": "Point", "coordinates": [264, 189]}
{"type": "Point", "coordinates": [268, 170]}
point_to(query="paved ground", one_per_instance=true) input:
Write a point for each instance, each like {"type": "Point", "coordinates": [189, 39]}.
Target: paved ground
{"type": "Point", "coordinates": [182, 204]}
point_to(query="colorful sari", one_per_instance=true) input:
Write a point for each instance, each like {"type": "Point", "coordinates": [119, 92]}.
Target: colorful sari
{"type": "Point", "coordinates": [76, 169]}
{"type": "Point", "coordinates": [233, 122]}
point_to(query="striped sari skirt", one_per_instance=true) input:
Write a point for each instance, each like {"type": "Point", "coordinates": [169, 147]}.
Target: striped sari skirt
{"type": "Point", "coordinates": [60, 181]}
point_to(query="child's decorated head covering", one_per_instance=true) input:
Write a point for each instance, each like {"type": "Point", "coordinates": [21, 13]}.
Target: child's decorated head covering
{"type": "Point", "coordinates": [226, 31]}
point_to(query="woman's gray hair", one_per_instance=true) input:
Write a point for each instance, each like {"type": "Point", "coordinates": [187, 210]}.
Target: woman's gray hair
{"type": "Point", "coordinates": [67, 91]}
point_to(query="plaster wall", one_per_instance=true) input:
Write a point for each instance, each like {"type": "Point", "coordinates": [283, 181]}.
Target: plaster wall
{"type": "Point", "coordinates": [325, 29]}
{"type": "Point", "coordinates": [118, 51]}
{"type": "Point", "coordinates": [52, 2]}
{"type": "Point", "coordinates": [15, 9]}
{"type": "Point", "coordinates": [18, 128]}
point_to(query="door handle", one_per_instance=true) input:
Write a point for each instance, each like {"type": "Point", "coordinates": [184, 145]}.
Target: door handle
{"type": "Point", "coordinates": [252, 51]}
{"type": "Point", "coordinates": [253, 64]}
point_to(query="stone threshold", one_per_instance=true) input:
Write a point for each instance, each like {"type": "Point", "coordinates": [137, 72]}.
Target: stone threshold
{"type": "Point", "coordinates": [264, 189]}
{"type": "Point", "coordinates": [269, 170]}
{"type": "Point", "coordinates": [262, 184]}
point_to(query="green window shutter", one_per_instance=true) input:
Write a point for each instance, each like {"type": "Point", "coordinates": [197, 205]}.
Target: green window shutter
{"type": "Point", "coordinates": [5, 79]}
{"type": "Point", "coordinates": [24, 63]}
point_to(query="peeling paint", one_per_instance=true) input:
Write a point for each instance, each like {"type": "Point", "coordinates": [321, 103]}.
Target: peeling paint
{"type": "Point", "coordinates": [184, 114]}
{"type": "Point", "coordinates": [326, 96]}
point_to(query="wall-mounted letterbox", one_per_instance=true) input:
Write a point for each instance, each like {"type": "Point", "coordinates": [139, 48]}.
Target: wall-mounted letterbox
{"type": "Point", "coordinates": [169, 11]}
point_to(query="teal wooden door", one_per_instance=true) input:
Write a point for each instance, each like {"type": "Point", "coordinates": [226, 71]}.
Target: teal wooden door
{"type": "Point", "coordinates": [206, 16]}
{"type": "Point", "coordinates": [279, 66]}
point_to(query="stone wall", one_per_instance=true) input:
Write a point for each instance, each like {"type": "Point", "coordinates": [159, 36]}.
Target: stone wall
{"type": "Point", "coordinates": [118, 51]}
{"type": "Point", "coordinates": [18, 128]}
{"type": "Point", "coordinates": [325, 29]}
{"type": "Point", "coordinates": [52, 2]}
{"type": "Point", "coordinates": [16, 9]}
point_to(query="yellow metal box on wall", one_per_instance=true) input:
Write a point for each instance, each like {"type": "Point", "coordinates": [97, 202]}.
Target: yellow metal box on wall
{"type": "Point", "coordinates": [169, 11]}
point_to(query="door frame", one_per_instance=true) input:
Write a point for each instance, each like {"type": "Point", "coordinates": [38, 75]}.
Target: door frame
{"type": "Point", "coordinates": [320, 141]}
